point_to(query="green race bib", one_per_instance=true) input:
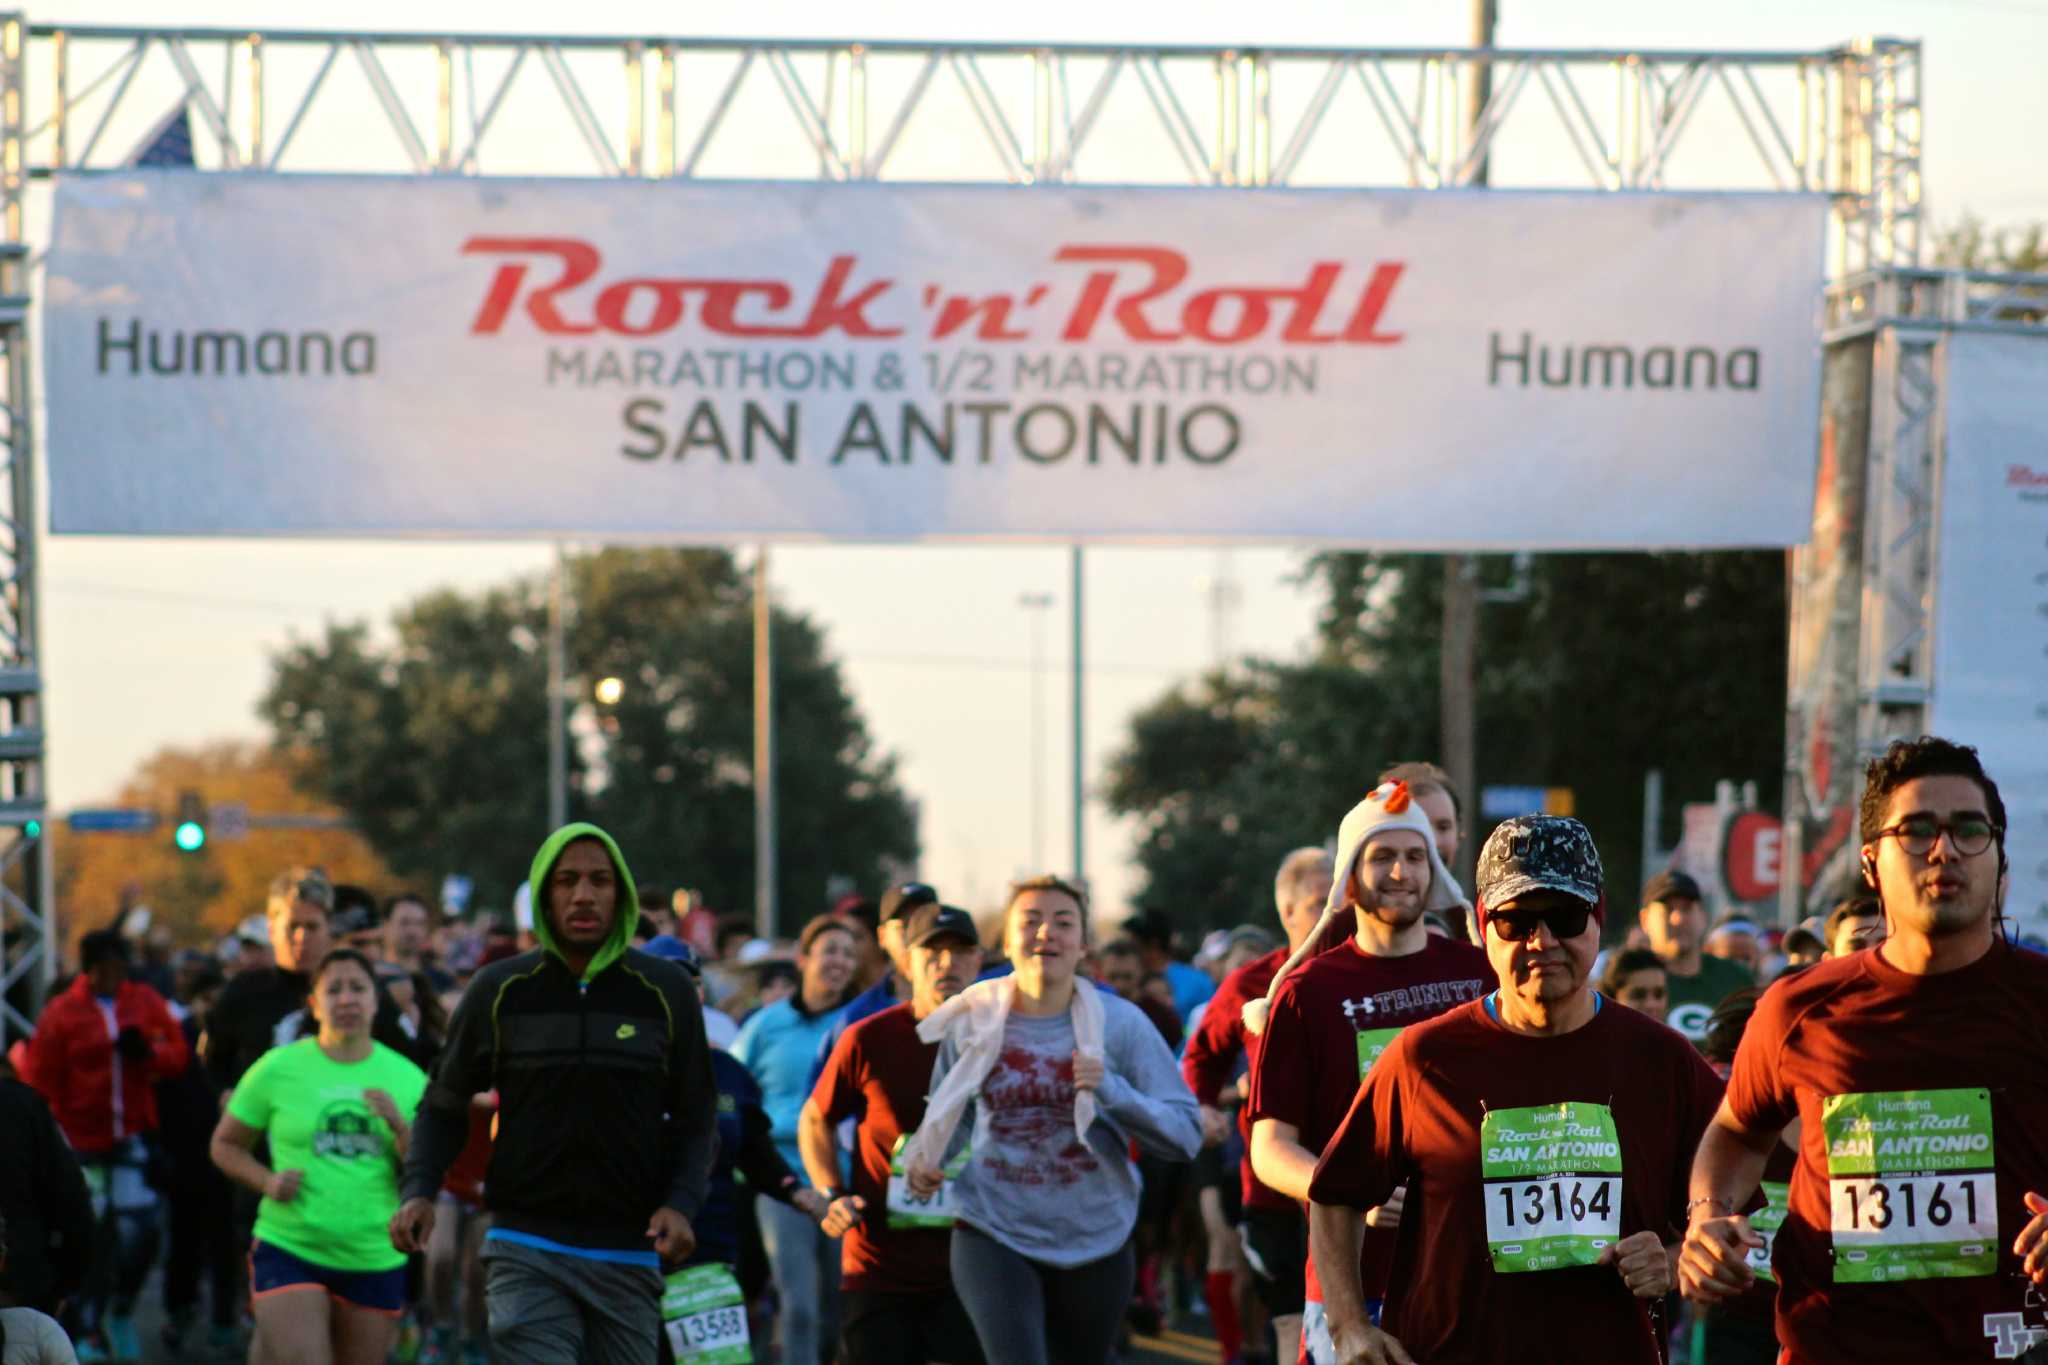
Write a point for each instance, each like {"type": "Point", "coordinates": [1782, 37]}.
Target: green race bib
{"type": "Point", "coordinates": [705, 1317]}
{"type": "Point", "coordinates": [906, 1210]}
{"type": "Point", "coordinates": [1765, 1222]}
{"type": "Point", "coordinates": [1552, 1179]}
{"type": "Point", "coordinates": [1371, 1043]}
{"type": "Point", "coordinates": [1911, 1194]}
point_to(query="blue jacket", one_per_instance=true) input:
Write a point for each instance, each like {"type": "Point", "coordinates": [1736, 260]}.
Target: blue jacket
{"type": "Point", "coordinates": [778, 1044]}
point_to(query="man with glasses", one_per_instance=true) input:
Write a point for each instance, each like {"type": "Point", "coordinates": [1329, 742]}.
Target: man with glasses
{"type": "Point", "coordinates": [1917, 1074]}
{"type": "Point", "coordinates": [1330, 1016]}
{"type": "Point", "coordinates": [1542, 1139]}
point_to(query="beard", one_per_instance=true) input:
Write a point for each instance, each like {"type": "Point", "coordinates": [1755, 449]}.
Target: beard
{"type": "Point", "coordinates": [1397, 911]}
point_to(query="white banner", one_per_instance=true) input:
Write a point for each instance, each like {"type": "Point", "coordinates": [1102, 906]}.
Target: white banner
{"type": "Point", "coordinates": [261, 355]}
{"type": "Point", "coordinates": [1991, 598]}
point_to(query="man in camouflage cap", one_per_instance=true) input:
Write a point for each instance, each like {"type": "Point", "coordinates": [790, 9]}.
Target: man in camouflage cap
{"type": "Point", "coordinates": [1544, 1142]}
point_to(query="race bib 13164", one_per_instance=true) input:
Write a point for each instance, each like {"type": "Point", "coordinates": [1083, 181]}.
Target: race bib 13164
{"type": "Point", "coordinates": [1552, 1185]}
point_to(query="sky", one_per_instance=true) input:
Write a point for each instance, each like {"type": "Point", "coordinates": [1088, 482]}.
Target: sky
{"type": "Point", "coordinates": [149, 643]}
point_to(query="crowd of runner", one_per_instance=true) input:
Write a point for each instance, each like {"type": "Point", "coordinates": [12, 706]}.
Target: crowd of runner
{"type": "Point", "coordinates": [1415, 1127]}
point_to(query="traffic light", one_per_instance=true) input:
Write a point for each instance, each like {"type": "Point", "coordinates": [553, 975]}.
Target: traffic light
{"type": "Point", "coordinates": [190, 834]}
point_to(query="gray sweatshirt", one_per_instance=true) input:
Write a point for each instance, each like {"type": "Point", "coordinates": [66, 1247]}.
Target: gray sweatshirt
{"type": "Point", "coordinates": [1030, 1183]}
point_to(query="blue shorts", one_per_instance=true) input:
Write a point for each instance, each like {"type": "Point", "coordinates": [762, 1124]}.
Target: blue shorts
{"type": "Point", "coordinates": [273, 1270]}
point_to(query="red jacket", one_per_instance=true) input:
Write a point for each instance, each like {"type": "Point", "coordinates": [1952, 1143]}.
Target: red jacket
{"type": "Point", "coordinates": [72, 1062]}
{"type": "Point", "coordinates": [1210, 1061]}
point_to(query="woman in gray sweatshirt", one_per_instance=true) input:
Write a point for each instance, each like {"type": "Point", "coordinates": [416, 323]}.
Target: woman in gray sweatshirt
{"type": "Point", "coordinates": [1042, 1234]}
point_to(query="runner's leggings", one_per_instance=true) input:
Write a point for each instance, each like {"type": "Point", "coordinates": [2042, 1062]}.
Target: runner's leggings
{"type": "Point", "coordinates": [1029, 1313]}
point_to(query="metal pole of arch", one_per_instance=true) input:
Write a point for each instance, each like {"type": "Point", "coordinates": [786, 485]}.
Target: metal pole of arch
{"type": "Point", "coordinates": [1458, 678]}
{"type": "Point", "coordinates": [1080, 771]}
{"type": "Point", "coordinates": [764, 754]}
{"type": "Point", "coordinates": [558, 721]}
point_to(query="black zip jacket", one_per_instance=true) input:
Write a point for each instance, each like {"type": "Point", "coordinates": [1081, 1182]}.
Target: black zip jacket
{"type": "Point", "coordinates": [606, 1106]}
{"type": "Point", "coordinates": [266, 1008]}
{"type": "Point", "coordinates": [44, 1200]}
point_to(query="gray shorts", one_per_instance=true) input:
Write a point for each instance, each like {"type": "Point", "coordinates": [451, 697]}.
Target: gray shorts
{"type": "Point", "coordinates": [546, 1307]}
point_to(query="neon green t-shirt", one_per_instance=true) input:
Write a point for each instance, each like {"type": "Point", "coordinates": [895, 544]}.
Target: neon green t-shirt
{"type": "Point", "coordinates": [312, 1110]}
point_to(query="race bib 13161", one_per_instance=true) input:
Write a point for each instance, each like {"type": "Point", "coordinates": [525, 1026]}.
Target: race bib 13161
{"type": "Point", "coordinates": [1911, 1194]}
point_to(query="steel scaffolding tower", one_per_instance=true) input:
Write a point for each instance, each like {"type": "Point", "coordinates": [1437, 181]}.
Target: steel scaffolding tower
{"type": "Point", "coordinates": [77, 98]}
{"type": "Point", "coordinates": [1863, 589]}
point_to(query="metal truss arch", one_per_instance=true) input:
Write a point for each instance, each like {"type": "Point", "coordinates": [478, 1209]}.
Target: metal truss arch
{"type": "Point", "coordinates": [74, 99]}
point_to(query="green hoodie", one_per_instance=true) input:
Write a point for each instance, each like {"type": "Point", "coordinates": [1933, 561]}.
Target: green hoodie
{"type": "Point", "coordinates": [628, 908]}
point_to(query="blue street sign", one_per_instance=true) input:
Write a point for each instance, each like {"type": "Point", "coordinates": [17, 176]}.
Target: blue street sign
{"type": "Point", "coordinates": [1505, 803]}
{"type": "Point", "coordinates": [111, 821]}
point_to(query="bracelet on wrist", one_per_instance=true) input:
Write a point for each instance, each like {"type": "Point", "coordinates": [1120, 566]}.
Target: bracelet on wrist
{"type": "Point", "coordinates": [1713, 1199]}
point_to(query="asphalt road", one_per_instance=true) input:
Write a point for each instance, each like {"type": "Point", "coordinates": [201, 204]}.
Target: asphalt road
{"type": "Point", "coordinates": [1170, 1347]}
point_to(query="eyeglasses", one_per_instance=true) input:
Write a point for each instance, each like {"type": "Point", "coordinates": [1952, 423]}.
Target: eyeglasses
{"type": "Point", "coordinates": [1564, 921]}
{"type": "Point", "coordinates": [1917, 834]}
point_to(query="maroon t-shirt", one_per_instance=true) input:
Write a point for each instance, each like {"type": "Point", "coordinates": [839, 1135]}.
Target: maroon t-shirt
{"type": "Point", "coordinates": [880, 1069]}
{"type": "Point", "coordinates": [1417, 1121]}
{"type": "Point", "coordinates": [1855, 1026]}
{"type": "Point", "coordinates": [1332, 1014]}
{"type": "Point", "coordinates": [1210, 1062]}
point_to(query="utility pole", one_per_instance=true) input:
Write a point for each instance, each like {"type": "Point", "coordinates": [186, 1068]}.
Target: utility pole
{"type": "Point", "coordinates": [558, 722]}
{"type": "Point", "coordinates": [1037, 604]}
{"type": "Point", "coordinates": [1458, 681]}
{"type": "Point", "coordinates": [1080, 771]}
{"type": "Point", "coordinates": [764, 754]}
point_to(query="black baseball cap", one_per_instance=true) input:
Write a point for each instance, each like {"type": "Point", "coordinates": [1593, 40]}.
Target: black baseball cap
{"type": "Point", "coordinates": [355, 919]}
{"type": "Point", "coordinates": [934, 921]}
{"type": "Point", "coordinates": [1671, 885]}
{"type": "Point", "coordinates": [899, 900]}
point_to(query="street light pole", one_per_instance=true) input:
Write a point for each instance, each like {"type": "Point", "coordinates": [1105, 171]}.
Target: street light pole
{"type": "Point", "coordinates": [1037, 603]}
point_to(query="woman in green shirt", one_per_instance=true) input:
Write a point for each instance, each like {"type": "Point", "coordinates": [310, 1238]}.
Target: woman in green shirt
{"type": "Point", "coordinates": [335, 1109]}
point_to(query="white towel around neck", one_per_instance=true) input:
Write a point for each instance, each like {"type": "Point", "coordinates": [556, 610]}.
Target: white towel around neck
{"type": "Point", "coordinates": [974, 1021]}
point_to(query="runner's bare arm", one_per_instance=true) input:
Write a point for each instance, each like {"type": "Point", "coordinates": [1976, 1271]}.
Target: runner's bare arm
{"type": "Point", "coordinates": [232, 1150]}
{"type": "Point", "coordinates": [814, 1142]}
{"type": "Point", "coordinates": [1279, 1159]}
{"type": "Point", "coordinates": [1335, 1234]}
{"type": "Point", "coordinates": [1712, 1265]}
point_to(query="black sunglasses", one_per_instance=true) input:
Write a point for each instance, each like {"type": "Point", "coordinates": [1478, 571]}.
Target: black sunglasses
{"type": "Point", "coordinates": [1517, 926]}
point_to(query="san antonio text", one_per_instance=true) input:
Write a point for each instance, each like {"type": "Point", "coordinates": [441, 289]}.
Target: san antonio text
{"type": "Point", "coordinates": [892, 433]}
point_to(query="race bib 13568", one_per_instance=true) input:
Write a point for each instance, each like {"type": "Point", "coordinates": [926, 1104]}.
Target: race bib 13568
{"type": "Point", "coordinates": [705, 1317]}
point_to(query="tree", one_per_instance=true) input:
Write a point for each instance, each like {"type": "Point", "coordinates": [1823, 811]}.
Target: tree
{"type": "Point", "coordinates": [436, 742]}
{"type": "Point", "coordinates": [1228, 774]}
{"type": "Point", "coordinates": [1593, 668]}
{"type": "Point", "coordinates": [1970, 244]}
{"type": "Point", "coordinates": [207, 893]}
